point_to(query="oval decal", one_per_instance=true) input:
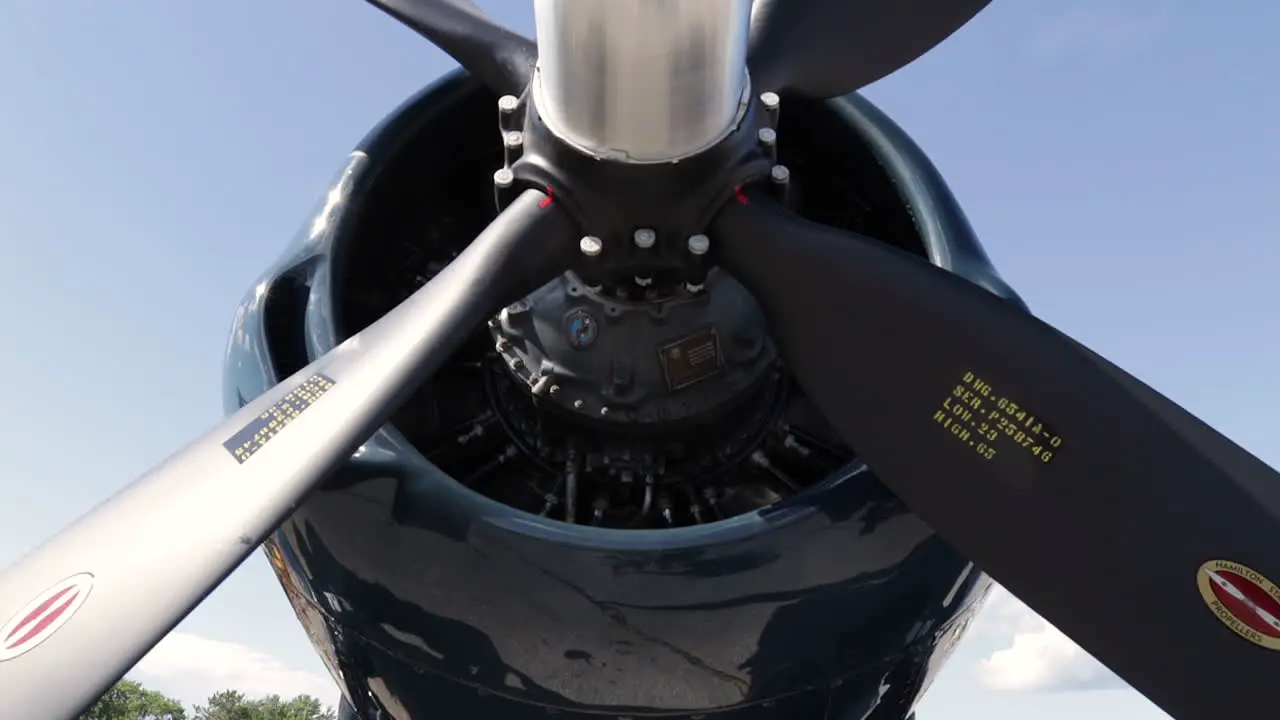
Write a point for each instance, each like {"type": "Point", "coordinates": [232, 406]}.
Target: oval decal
{"type": "Point", "coordinates": [1243, 599]}
{"type": "Point", "coordinates": [39, 619]}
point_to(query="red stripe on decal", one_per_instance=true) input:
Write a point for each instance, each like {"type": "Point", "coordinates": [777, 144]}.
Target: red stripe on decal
{"type": "Point", "coordinates": [45, 622]}
{"type": "Point", "coordinates": [31, 616]}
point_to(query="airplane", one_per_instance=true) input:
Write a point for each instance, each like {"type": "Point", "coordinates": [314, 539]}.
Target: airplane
{"type": "Point", "coordinates": [648, 369]}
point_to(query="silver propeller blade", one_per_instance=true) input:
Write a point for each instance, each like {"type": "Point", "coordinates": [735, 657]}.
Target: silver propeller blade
{"type": "Point", "coordinates": [81, 610]}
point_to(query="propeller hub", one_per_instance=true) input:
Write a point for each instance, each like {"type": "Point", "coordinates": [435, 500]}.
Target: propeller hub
{"type": "Point", "coordinates": [642, 81]}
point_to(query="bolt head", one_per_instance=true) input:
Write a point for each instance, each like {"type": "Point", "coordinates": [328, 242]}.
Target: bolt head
{"type": "Point", "coordinates": [645, 238]}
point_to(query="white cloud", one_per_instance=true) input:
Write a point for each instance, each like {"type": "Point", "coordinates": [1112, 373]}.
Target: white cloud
{"type": "Point", "coordinates": [1035, 656]}
{"type": "Point", "coordinates": [191, 668]}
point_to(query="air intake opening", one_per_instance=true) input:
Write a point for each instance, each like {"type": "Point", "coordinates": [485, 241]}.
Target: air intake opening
{"type": "Point", "coordinates": [284, 315]}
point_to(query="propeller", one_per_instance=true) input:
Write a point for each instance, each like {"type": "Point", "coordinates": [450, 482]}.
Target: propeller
{"type": "Point", "coordinates": [829, 48]}
{"type": "Point", "coordinates": [499, 58]}
{"type": "Point", "coordinates": [1141, 532]}
{"type": "Point", "coordinates": [816, 48]}
{"type": "Point", "coordinates": [87, 605]}
{"type": "Point", "coordinates": [1108, 509]}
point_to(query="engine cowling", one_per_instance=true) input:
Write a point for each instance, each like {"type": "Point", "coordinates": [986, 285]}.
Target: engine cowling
{"type": "Point", "coordinates": [723, 552]}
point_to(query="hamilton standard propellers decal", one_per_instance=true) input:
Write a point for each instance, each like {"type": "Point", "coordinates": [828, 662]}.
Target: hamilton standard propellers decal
{"type": "Point", "coordinates": [44, 615]}
{"type": "Point", "coordinates": [1243, 599]}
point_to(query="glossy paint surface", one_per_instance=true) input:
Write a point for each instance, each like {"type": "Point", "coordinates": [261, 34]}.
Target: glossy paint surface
{"type": "Point", "coordinates": [427, 600]}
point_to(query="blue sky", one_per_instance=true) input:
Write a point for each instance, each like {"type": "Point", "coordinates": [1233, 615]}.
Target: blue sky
{"type": "Point", "coordinates": [1119, 161]}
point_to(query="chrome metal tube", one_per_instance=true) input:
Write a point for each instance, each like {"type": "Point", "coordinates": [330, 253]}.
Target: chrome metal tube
{"type": "Point", "coordinates": [641, 80]}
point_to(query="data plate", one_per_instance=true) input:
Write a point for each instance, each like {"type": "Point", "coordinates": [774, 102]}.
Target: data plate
{"type": "Point", "coordinates": [994, 426]}
{"type": "Point", "coordinates": [691, 360]}
{"type": "Point", "coordinates": [255, 436]}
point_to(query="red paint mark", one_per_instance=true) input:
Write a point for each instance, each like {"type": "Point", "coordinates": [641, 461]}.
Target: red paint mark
{"type": "Point", "coordinates": [44, 622]}
{"type": "Point", "coordinates": [1248, 610]}
{"type": "Point", "coordinates": [739, 196]}
{"type": "Point", "coordinates": [40, 609]}
{"type": "Point", "coordinates": [547, 201]}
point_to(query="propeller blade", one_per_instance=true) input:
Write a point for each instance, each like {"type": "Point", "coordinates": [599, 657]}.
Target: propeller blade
{"type": "Point", "coordinates": [81, 610]}
{"type": "Point", "coordinates": [501, 59]}
{"type": "Point", "coordinates": [828, 48]}
{"type": "Point", "coordinates": [1138, 530]}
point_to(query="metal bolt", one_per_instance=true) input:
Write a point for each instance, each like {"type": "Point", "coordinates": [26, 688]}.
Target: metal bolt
{"type": "Point", "coordinates": [513, 139]}
{"type": "Point", "coordinates": [699, 244]}
{"type": "Point", "coordinates": [604, 410]}
{"type": "Point", "coordinates": [503, 178]}
{"type": "Point", "coordinates": [555, 389]}
{"type": "Point", "coordinates": [578, 404]}
{"type": "Point", "coordinates": [768, 139]}
{"type": "Point", "coordinates": [507, 118]}
{"type": "Point", "coordinates": [645, 238]}
{"type": "Point", "coordinates": [781, 177]}
{"type": "Point", "coordinates": [770, 100]}
{"type": "Point", "coordinates": [590, 246]}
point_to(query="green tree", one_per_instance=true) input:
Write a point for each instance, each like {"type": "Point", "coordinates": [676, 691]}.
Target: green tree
{"type": "Point", "coordinates": [302, 707]}
{"type": "Point", "coordinates": [226, 705]}
{"type": "Point", "coordinates": [128, 700]}
{"type": "Point", "coordinates": [232, 705]}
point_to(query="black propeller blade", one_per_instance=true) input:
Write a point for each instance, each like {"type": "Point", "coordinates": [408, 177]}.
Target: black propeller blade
{"type": "Point", "coordinates": [184, 526]}
{"type": "Point", "coordinates": [499, 58]}
{"type": "Point", "coordinates": [1093, 498]}
{"type": "Point", "coordinates": [828, 48]}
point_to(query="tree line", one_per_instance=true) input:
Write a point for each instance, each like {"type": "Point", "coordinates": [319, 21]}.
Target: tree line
{"type": "Point", "coordinates": [130, 700]}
